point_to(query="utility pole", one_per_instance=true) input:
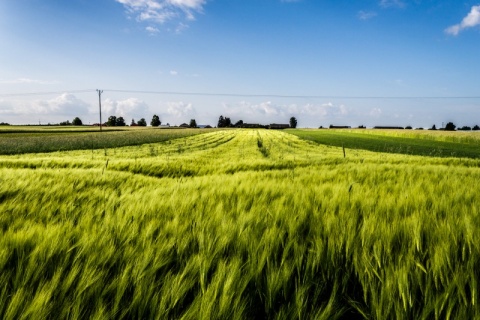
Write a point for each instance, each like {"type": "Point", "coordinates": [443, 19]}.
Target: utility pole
{"type": "Point", "coordinates": [100, 106]}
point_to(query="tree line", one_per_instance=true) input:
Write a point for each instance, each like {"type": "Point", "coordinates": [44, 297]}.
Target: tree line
{"type": "Point", "coordinates": [226, 122]}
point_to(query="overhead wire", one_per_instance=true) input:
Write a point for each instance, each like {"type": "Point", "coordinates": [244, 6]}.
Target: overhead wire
{"type": "Point", "coordinates": [239, 95]}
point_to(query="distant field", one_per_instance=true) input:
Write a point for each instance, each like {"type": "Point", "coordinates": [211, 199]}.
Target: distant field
{"type": "Point", "coordinates": [18, 140]}
{"type": "Point", "coordinates": [239, 224]}
{"type": "Point", "coordinates": [413, 142]}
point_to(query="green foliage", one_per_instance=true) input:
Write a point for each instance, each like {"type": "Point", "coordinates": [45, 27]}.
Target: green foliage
{"type": "Point", "coordinates": [120, 122]}
{"type": "Point", "coordinates": [193, 123]}
{"type": "Point", "coordinates": [18, 140]}
{"type": "Point", "coordinates": [112, 121]}
{"type": "Point", "coordinates": [219, 231]}
{"type": "Point", "coordinates": [224, 122]}
{"type": "Point", "coordinates": [438, 144]}
{"type": "Point", "coordinates": [155, 121]}
{"type": "Point", "coordinates": [293, 122]}
{"type": "Point", "coordinates": [142, 122]}
{"type": "Point", "coordinates": [77, 121]}
{"type": "Point", "coordinates": [450, 127]}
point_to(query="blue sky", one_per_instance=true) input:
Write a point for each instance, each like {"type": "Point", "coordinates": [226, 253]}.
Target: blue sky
{"type": "Point", "coordinates": [379, 62]}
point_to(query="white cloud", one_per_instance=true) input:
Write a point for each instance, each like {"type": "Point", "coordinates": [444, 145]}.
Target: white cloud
{"type": "Point", "coordinates": [269, 112]}
{"type": "Point", "coordinates": [64, 107]}
{"type": "Point", "coordinates": [181, 110]}
{"type": "Point", "coordinates": [173, 73]}
{"type": "Point", "coordinates": [392, 3]}
{"type": "Point", "coordinates": [325, 110]}
{"type": "Point", "coordinates": [376, 112]}
{"type": "Point", "coordinates": [66, 104]}
{"type": "Point", "coordinates": [366, 15]}
{"type": "Point", "coordinates": [261, 110]}
{"type": "Point", "coordinates": [470, 21]}
{"type": "Point", "coordinates": [181, 27]}
{"type": "Point", "coordinates": [162, 11]}
{"type": "Point", "coordinates": [152, 30]}
{"type": "Point", "coordinates": [27, 81]}
{"type": "Point", "coordinates": [129, 108]}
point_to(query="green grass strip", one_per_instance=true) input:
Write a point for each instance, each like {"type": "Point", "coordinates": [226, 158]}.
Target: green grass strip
{"type": "Point", "coordinates": [392, 144]}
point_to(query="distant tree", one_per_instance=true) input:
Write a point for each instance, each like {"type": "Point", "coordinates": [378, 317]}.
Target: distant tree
{"type": "Point", "coordinates": [142, 123]}
{"type": "Point", "coordinates": [77, 122]}
{"type": "Point", "coordinates": [239, 123]}
{"type": "Point", "coordinates": [450, 127]}
{"type": "Point", "coordinates": [112, 121]}
{"type": "Point", "coordinates": [155, 121]}
{"type": "Point", "coordinates": [408, 127]}
{"type": "Point", "coordinates": [133, 123]}
{"type": "Point", "coordinates": [224, 122]}
{"type": "Point", "coordinates": [433, 127]}
{"type": "Point", "coordinates": [221, 122]}
{"type": "Point", "coordinates": [4, 124]}
{"type": "Point", "coordinates": [465, 128]}
{"type": "Point", "coordinates": [120, 122]}
{"type": "Point", "coordinates": [293, 122]}
{"type": "Point", "coordinates": [193, 123]}
{"type": "Point", "coordinates": [65, 123]}
{"type": "Point", "coordinates": [476, 127]}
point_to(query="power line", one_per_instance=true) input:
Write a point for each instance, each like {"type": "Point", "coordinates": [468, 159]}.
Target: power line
{"type": "Point", "coordinates": [242, 95]}
{"type": "Point", "coordinates": [249, 95]}
{"type": "Point", "coordinates": [24, 94]}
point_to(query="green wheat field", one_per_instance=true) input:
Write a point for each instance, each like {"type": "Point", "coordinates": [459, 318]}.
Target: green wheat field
{"type": "Point", "coordinates": [239, 224]}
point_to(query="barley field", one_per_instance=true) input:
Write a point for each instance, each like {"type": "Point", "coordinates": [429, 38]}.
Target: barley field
{"type": "Point", "coordinates": [240, 224]}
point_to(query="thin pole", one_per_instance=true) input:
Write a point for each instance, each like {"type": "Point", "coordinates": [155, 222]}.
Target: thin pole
{"type": "Point", "coordinates": [100, 106]}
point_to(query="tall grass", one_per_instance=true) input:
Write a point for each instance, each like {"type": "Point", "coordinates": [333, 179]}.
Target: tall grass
{"type": "Point", "coordinates": [21, 140]}
{"type": "Point", "coordinates": [425, 143]}
{"type": "Point", "coordinates": [227, 233]}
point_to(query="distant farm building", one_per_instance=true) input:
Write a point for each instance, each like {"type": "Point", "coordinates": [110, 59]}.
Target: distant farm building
{"type": "Point", "coordinates": [279, 126]}
{"type": "Point", "coordinates": [387, 127]}
{"type": "Point", "coordinates": [339, 127]}
{"type": "Point", "coordinates": [250, 125]}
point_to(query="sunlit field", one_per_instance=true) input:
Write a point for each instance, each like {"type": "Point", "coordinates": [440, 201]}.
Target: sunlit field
{"type": "Point", "coordinates": [241, 224]}
{"type": "Point", "coordinates": [16, 140]}
{"type": "Point", "coordinates": [415, 142]}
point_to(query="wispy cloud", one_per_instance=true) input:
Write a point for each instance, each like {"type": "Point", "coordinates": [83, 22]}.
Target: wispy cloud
{"type": "Point", "coordinates": [180, 110]}
{"type": "Point", "coordinates": [152, 30]}
{"type": "Point", "coordinates": [162, 11]}
{"type": "Point", "coordinates": [392, 3]}
{"type": "Point", "coordinates": [64, 105]}
{"type": "Point", "coordinates": [27, 81]}
{"type": "Point", "coordinates": [366, 15]}
{"type": "Point", "coordinates": [470, 21]}
{"type": "Point", "coordinates": [268, 111]}
{"type": "Point", "coordinates": [132, 107]}
{"type": "Point", "coordinates": [376, 112]}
